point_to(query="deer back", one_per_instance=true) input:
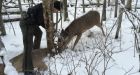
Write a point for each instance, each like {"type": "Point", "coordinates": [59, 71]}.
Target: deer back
{"type": "Point", "coordinates": [82, 24]}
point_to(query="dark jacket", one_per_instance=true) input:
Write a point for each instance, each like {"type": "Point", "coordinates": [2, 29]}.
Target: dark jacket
{"type": "Point", "coordinates": [36, 15]}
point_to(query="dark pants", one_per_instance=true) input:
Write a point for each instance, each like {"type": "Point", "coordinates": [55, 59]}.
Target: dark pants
{"type": "Point", "coordinates": [38, 35]}
{"type": "Point", "coordinates": [28, 31]}
{"type": "Point", "coordinates": [31, 30]}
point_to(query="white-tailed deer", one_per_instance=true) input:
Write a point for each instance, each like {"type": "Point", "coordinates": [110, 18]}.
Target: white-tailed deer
{"type": "Point", "coordinates": [77, 27]}
{"type": "Point", "coordinates": [38, 56]}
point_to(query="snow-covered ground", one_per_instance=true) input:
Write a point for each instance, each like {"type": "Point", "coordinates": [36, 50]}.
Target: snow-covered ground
{"type": "Point", "coordinates": [90, 57]}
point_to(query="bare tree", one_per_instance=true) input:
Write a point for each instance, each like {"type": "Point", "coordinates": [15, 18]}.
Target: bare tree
{"type": "Point", "coordinates": [75, 9]}
{"type": "Point", "coordinates": [2, 28]}
{"type": "Point", "coordinates": [136, 5]}
{"type": "Point", "coordinates": [123, 1]}
{"type": "Point", "coordinates": [128, 5]}
{"type": "Point", "coordinates": [2, 65]}
{"type": "Point", "coordinates": [98, 3]}
{"type": "Point", "coordinates": [48, 19]}
{"type": "Point", "coordinates": [116, 8]}
{"type": "Point", "coordinates": [83, 6]}
{"type": "Point", "coordinates": [20, 7]}
{"type": "Point", "coordinates": [104, 11]}
{"type": "Point", "coordinates": [65, 10]}
{"type": "Point", "coordinates": [119, 20]}
{"type": "Point", "coordinates": [108, 2]}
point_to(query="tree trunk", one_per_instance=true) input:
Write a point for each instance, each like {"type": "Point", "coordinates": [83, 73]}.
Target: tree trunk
{"type": "Point", "coordinates": [65, 10]}
{"type": "Point", "coordinates": [123, 1]}
{"type": "Point", "coordinates": [104, 11]}
{"type": "Point", "coordinates": [2, 65]}
{"type": "Point", "coordinates": [75, 9]}
{"type": "Point", "coordinates": [83, 6]}
{"type": "Point", "coordinates": [48, 19]}
{"type": "Point", "coordinates": [116, 8]}
{"type": "Point", "coordinates": [136, 5]}
{"type": "Point", "coordinates": [119, 22]}
{"type": "Point", "coordinates": [20, 7]}
{"type": "Point", "coordinates": [128, 5]}
{"type": "Point", "coordinates": [98, 3]}
{"type": "Point", "coordinates": [2, 28]}
{"type": "Point", "coordinates": [108, 2]}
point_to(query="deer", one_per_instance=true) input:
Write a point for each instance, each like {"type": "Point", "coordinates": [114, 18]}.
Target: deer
{"type": "Point", "coordinates": [38, 56]}
{"type": "Point", "coordinates": [77, 27]}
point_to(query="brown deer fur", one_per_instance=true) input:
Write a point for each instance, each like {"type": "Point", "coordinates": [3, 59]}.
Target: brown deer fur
{"type": "Point", "coordinates": [78, 26]}
{"type": "Point", "coordinates": [37, 55]}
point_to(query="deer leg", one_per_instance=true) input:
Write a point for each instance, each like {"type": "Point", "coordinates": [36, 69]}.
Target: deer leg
{"type": "Point", "coordinates": [77, 39]}
{"type": "Point", "coordinates": [67, 40]}
{"type": "Point", "coordinates": [38, 35]}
